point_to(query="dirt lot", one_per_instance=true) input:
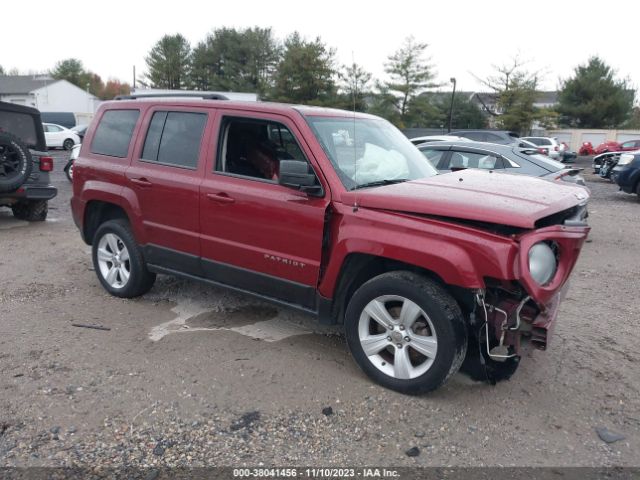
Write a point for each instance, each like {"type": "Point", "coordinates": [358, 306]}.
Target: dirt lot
{"type": "Point", "coordinates": [192, 375]}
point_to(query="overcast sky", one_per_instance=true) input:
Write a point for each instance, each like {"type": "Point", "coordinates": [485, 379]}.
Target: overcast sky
{"type": "Point", "coordinates": [464, 37]}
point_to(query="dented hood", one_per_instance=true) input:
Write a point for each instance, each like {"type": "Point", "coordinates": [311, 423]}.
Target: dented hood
{"type": "Point", "coordinates": [500, 198]}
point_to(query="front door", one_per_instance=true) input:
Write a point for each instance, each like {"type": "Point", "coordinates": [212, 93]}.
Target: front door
{"type": "Point", "coordinates": [165, 175]}
{"type": "Point", "coordinates": [258, 235]}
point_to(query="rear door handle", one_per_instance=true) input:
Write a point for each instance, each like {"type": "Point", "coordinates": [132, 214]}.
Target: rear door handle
{"type": "Point", "coordinates": [220, 198]}
{"type": "Point", "coordinates": [143, 182]}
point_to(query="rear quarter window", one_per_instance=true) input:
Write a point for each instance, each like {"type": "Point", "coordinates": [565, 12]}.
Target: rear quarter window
{"type": "Point", "coordinates": [114, 132]}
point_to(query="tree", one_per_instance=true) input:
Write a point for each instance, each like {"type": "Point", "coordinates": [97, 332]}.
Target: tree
{"type": "Point", "coordinates": [354, 87]}
{"type": "Point", "coordinates": [113, 88]}
{"type": "Point", "coordinates": [383, 104]}
{"type": "Point", "coordinates": [594, 98]}
{"type": "Point", "coordinates": [1, 71]}
{"type": "Point", "coordinates": [305, 73]}
{"type": "Point", "coordinates": [516, 91]}
{"type": "Point", "coordinates": [410, 75]}
{"type": "Point", "coordinates": [71, 70]}
{"type": "Point", "coordinates": [235, 60]}
{"type": "Point", "coordinates": [169, 63]}
{"type": "Point", "coordinates": [634, 120]}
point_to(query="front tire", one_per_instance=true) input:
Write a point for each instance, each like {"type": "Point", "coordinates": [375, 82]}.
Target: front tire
{"type": "Point", "coordinates": [68, 144]}
{"type": "Point", "coordinates": [31, 210]}
{"type": "Point", "coordinates": [118, 261]}
{"type": "Point", "coordinates": [406, 332]}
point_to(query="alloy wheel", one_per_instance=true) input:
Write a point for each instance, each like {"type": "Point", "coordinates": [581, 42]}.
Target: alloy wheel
{"type": "Point", "coordinates": [113, 260]}
{"type": "Point", "coordinates": [397, 336]}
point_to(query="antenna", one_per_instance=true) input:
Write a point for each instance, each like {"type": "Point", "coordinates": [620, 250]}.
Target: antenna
{"type": "Point", "coordinates": [354, 91]}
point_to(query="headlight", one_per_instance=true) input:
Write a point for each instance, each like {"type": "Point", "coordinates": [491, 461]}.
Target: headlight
{"type": "Point", "coordinates": [542, 263]}
{"type": "Point", "coordinates": [625, 159]}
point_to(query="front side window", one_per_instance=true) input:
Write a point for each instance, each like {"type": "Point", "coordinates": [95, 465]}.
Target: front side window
{"type": "Point", "coordinates": [369, 152]}
{"type": "Point", "coordinates": [174, 138]}
{"type": "Point", "coordinates": [253, 148]}
{"type": "Point", "coordinates": [114, 133]}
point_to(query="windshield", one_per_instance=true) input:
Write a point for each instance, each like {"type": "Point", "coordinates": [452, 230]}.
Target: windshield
{"type": "Point", "coordinates": [369, 152]}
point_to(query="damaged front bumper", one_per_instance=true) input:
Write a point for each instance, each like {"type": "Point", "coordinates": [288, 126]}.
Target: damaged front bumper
{"type": "Point", "coordinates": [509, 314]}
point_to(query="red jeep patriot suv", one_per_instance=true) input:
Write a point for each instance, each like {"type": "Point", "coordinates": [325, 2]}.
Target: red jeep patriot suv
{"type": "Point", "coordinates": [336, 214]}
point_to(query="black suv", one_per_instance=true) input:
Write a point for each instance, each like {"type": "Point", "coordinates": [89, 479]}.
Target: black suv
{"type": "Point", "coordinates": [24, 163]}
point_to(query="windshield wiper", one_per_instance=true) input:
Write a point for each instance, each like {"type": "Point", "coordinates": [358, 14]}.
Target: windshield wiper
{"type": "Point", "coordinates": [379, 183]}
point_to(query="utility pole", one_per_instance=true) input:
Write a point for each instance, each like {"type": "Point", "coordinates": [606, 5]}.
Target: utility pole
{"type": "Point", "coordinates": [453, 94]}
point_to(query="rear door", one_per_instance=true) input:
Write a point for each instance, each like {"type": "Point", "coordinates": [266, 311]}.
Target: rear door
{"type": "Point", "coordinates": [258, 235]}
{"type": "Point", "coordinates": [165, 175]}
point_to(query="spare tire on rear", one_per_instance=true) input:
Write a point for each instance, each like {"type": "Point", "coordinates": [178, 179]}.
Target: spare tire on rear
{"type": "Point", "coordinates": [15, 162]}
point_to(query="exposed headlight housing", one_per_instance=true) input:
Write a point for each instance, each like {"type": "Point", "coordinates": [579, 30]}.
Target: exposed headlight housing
{"type": "Point", "coordinates": [542, 263]}
{"type": "Point", "coordinates": [626, 158]}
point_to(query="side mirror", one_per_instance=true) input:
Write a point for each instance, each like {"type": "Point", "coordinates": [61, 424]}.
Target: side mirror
{"type": "Point", "coordinates": [295, 174]}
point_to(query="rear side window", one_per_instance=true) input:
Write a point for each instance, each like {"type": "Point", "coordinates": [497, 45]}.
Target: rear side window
{"type": "Point", "coordinates": [21, 125]}
{"type": "Point", "coordinates": [114, 133]}
{"type": "Point", "coordinates": [174, 138]}
{"type": "Point", "coordinates": [434, 156]}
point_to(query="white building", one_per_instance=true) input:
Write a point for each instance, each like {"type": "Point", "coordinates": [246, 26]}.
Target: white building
{"type": "Point", "coordinates": [48, 95]}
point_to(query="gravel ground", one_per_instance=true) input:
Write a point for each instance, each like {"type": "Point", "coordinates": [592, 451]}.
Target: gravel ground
{"type": "Point", "coordinates": [190, 375]}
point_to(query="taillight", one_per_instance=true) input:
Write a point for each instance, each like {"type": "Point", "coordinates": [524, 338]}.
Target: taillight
{"type": "Point", "coordinates": [543, 151]}
{"type": "Point", "coordinates": [46, 164]}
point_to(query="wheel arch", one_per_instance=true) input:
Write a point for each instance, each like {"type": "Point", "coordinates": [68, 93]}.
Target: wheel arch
{"type": "Point", "coordinates": [358, 268]}
{"type": "Point", "coordinates": [96, 213]}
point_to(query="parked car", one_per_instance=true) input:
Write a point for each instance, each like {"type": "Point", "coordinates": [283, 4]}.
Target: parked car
{"type": "Point", "coordinates": [24, 164]}
{"type": "Point", "coordinates": [550, 144]}
{"type": "Point", "coordinates": [503, 137]}
{"type": "Point", "coordinates": [336, 214]}
{"type": "Point", "coordinates": [80, 130]}
{"type": "Point", "coordinates": [68, 168]}
{"type": "Point", "coordinates": [65, 119]}
{"type": "Point", "coordinates": [437, 138]}
{"type": "Point", "coordinates": [598, 160]}
{"type": "Point", "coordinates": [586, 149]}
{"type": "Point", "coordinates": [627, 173]}
{"type": "Point", "coordinates": [568, 155]}
{"type": "Point", "coordinates": [448, 156]}
{"type": "Point", "coordinates": [58, 136]}
{"type": "Point", "coordinates": [611, 146]}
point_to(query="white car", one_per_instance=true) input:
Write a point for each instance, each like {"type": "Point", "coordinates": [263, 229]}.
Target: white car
{"type": "Point", "coordinates": [551, 144]}
{"type": "Point", "coordinates": [438, 138]}
{"type": "Point", "coordinates": [59, 136]}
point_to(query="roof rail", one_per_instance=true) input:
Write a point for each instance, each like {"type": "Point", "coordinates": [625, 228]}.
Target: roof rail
{"type": "Point", "coordinates": [204, 96]}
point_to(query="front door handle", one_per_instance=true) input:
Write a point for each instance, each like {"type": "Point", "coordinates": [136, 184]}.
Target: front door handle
{"type": "Point", "coordinates": [220, 197]}
{"type": "Point", "coordinates": [143, 182]}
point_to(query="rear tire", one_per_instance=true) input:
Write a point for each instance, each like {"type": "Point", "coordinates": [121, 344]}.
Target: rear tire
{"type": "Point", "coordinates": [31, 210]}
{"type": "Point", "coordinates": [424, 341]}
{"type": "Point", "coordinates": [118, 261]}
{"type": "Point", "coordinates": [638, 191]}
{"type": "Point", "coordinates": [68, 144]}
{"type": "Point", "coordinates": [15, 162]}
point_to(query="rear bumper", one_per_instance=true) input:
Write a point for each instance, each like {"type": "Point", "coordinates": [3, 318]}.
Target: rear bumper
{"type": "Point", "coordinates": [29, 192]}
